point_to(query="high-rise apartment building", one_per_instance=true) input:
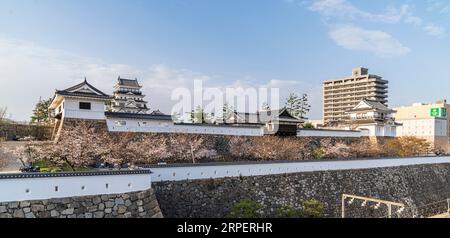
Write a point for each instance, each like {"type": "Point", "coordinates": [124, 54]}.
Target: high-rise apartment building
{"type": "Point", "coordinates": [342, 95]}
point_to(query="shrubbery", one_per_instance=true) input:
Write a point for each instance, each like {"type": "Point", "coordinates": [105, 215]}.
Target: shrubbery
{"type": "Point", "coordinates": [310, 209]}
{"type": "Point", "coordinates": [247, 208]}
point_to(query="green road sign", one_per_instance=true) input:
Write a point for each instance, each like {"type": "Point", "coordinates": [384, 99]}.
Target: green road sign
{"type": "Point", "coordinates": [438, 112]}
{"type": "Point", "coordinates": [434, 112]}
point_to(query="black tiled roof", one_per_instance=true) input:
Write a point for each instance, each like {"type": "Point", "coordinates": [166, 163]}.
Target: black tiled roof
{"type": "Point", "coordinates": [125, 115]}
{"type": "Point", "coordinates": [73, 174]}
{"type": "Point", "coordinates": [81, 85]}
{"type": "Point", "coordinates": [81, 94]}
{"type": "Point", "coordinates": [266, 116]}
{"type": "Point", "coordinates": [128, 82]}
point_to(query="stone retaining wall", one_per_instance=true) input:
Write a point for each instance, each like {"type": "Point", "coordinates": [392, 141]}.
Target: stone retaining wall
{"type": "Point", "coordinates": [415, 186]}
{"type": "Point", "coordinates": [130, 205]}
{"type": "Point", "coordinates": [17, 131]}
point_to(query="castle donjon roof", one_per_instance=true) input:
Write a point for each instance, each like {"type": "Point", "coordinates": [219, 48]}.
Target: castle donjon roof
{"type": "Point", "coordinates": [128, 82]}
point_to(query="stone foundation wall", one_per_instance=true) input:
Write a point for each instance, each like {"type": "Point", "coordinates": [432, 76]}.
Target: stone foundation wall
{"type": "Point", "coordinates": [17, 131]}
{"type": "Point", "coordinates": [130, 205]}
{"type": "Point", "coordinates": [415, 186]}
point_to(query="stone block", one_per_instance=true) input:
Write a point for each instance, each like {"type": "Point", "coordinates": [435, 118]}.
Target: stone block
{"type": "Point", "coordinates": [142, 214]}
{"type": "Point", "coordinates": [3, 209]}
{"type": "Point", "coordinates": [30, 215]}
{"type": "Point", "coordinates": [96, 200]}
{"type": "Point", "coordinates": [121, 209]}
{"type": "Point", "coordinates": [5, 215]}
{"type": "Point", "coordinates": [99, 214]}
{"type": "Point", "coordinates": [13, 205]}
{"type": "Point", "coordinates": [18, 213]}
{"type": "Point", "coordinates": [25, 204]}
{"type": "Point", "coordinates": [119, 201]}
{"type": "Point", "coordinates": [54, 213]}
{"type": "Point", "coordinates": [109, 204]}
{"type": "Point", "coordinates": [128, 215]}
{"type": "Point", "coordinates": [37, 208]}
{"type": "Point", "coordinates": [68, 211]}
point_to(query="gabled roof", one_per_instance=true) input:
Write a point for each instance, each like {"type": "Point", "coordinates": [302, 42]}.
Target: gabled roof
{"type": "Point", "coordinates": [128, 82]}
{"type": "Point", "coordinates": [83, 89]}
{"type": "Point", "coordinates": [157, 112]}
{"type": "Point", "coordinates": [367, 104]}
{"type": "Point", "coordinates": [262, 117]}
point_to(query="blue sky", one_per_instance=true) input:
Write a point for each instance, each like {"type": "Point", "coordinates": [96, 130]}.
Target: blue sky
{"type": "Point", "coordinates": [291, 44]}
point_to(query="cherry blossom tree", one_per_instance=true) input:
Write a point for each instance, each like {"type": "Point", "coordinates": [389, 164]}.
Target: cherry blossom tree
{"type": "Point", "coordinates": [185, 147]}
{"type": "Point", "coordinates": [78, 146]}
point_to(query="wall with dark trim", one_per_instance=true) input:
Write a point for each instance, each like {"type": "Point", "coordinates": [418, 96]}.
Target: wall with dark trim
{"type": "Point", "coordinates": [415, 186]}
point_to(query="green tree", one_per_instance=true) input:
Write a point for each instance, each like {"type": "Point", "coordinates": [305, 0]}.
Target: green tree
{"type": "Point", "coordinates": [310, 209]}
{"type": "Point", "coordinates": [199, 115]}
{"type": "Point", "coordinates": [3, 113]}
{"type": "Point", "coordinates": [298, 106]}
{"type": "Point", "coordinates": [308, 126]}
{"type": "Point", "coordinates": [265, 107]}
{"type": "Point", "coordinates": [227, 111]}
{"type": "Point", "coordinates": [40, 112]}
{"type": "Point", "coordinates": [246, 208]}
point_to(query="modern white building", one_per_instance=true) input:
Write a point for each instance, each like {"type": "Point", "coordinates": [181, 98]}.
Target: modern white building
{"type": "Point", "coordinates": [429, 121]}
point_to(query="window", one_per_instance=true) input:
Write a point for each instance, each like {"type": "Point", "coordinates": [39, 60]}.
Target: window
{"type": "Point", "coordinates": [120, 123]}
{"type": "Point", "coordinates": [85, 105]}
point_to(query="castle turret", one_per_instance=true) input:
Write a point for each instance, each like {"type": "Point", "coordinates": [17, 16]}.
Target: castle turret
{"type": "Point", "coordinates": [128, 97]}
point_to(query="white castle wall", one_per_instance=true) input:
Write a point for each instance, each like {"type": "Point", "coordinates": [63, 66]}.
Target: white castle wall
{"type": "Point", "coordinates": [38, 188]}
{"type": "Point", "coordinates": [160, 126]}
{"type": "Point", "coordinates": [329, 133]}
{"type": "Point", "coordinates": [186, 172]}
{"type": "Point", "coordinates": [71, 109]}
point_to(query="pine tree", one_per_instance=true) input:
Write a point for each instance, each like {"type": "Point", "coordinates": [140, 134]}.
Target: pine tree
{"type": "Point", "coordinates": [3, 113]}
{"type": "Point", "coordinates": [227, 112]}
{"type": "Point", "coordinates": [40, 112]}
{"type": "Point", "coordinates": [298, 106]}
{"type": "Point", "coordinates": [199, 115]}
{"type": "Point", "coordinates": [265, 107]}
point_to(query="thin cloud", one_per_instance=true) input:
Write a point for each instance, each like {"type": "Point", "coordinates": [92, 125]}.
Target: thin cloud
{"type": "Point", "coordinates": [435, 30]}
{"type": "Point", "coordinates": [439, 6]}
{"type": "Point", "coordinates": [379, 43]}
{"type": "Point", "coordinates": [344, 11]}
{"type": "Point", "coordinates": [30, 71]}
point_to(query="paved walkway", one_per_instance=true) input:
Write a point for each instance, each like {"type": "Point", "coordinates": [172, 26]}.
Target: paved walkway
{"type": "Point", "coordinates": [12, 163]}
